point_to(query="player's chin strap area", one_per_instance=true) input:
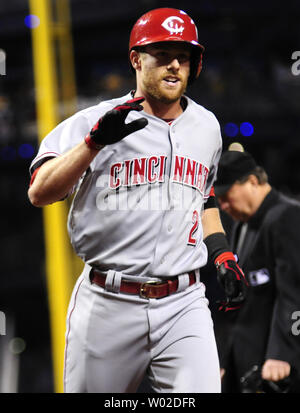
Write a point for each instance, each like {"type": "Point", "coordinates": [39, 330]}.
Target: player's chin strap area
{"type": "Point", "coordinates": [112, 281]}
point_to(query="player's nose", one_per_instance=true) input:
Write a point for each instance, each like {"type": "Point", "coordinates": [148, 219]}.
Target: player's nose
{"type": "Point", "coordinates": [174, 64]}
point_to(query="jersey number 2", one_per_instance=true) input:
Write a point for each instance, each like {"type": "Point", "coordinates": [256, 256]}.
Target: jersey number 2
{"type": "Point", "coordinates": [195, 220]}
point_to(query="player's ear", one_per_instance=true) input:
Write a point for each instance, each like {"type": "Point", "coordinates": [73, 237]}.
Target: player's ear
{"type": "Point", "coordinates": [135, 59]}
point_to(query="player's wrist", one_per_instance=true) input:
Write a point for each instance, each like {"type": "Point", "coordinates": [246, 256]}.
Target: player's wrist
{"type": "Point", "coordinates": [223, 257]}
{"type": "Point", "coordinates": [217, 245]}
{"type": "Point", "coordinates": [91, 144]}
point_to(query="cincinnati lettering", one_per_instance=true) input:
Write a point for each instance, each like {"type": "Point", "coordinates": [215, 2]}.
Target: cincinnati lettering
{"type": "Point", "coordinates": [140, 171]}
{"type": "Point", "coordinates": [190, 172]}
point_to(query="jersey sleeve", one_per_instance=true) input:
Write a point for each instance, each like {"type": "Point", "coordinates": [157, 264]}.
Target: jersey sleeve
{"type": "Point", "coordinates": [61, 139]}
{"type": "Point", "coordinates": [211, 201]}
{"type": "Point", "coordinates": [213, 171]}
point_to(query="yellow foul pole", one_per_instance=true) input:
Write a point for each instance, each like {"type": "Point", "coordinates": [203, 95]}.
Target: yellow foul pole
{"type": "Point", "coordinates": [57, 246]}
{"type": "Point", "coordinates": [63, 31]}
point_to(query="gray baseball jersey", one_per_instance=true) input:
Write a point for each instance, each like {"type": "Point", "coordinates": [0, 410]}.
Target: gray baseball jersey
{"type": "Point", "coordinates": [137, 209]}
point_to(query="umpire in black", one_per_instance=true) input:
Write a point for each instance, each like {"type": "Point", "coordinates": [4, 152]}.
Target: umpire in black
{"type": "Point", "coordinates": [262, 334]}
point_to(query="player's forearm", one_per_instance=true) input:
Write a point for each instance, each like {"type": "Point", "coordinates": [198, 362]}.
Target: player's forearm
{"type": "Point", "coordinates": [56, 177]}
{"type": "Point", "coordinates": [211, 222]}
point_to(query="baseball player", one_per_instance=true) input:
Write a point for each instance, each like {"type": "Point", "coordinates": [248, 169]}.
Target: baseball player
{"type": "Point", "coordinates": [142, 167]}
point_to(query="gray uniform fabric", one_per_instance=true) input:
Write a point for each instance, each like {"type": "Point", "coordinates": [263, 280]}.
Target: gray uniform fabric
{"type": "Point", "coordinates": [136, 215]}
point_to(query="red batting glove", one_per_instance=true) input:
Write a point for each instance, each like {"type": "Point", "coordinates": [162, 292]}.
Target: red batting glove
{"type": "Point", "coordinates": [232, 279]}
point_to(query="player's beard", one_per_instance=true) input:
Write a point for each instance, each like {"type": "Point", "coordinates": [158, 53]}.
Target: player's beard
{"type": "Point", "coordinates": [157, 91]}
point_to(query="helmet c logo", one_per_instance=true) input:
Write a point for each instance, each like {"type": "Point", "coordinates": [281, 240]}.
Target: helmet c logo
{"type": "Point", "coordinates": [171, 24]}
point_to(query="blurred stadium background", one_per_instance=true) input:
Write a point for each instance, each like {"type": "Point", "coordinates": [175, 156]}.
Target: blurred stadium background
{"type": "Point", "coordinates": [247, 81]}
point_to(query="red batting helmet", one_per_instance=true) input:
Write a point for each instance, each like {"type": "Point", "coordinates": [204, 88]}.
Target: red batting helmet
{"type": "Point", "coordinates": [168, 25]}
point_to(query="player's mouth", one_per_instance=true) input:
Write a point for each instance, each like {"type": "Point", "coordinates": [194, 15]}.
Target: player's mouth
{"type": "Point", "coordinates": [171, 81]}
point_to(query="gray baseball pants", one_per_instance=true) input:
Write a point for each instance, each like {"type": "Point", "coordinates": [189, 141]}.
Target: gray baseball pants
{"type": "Point", "coordinates": [114, 339]}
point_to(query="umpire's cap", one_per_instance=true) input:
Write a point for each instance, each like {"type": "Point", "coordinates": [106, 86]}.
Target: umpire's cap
{"type": "Point", "coordinates": [233, 166]}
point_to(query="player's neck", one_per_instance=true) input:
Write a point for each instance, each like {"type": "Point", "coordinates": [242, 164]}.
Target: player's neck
{"type": "Point", "coordinates": [162, 110]}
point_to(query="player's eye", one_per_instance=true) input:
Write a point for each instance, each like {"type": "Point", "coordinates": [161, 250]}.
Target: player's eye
{"type": "Point", "coordinates": [162, 54]}
{"type": "Point", "coordinates": [182, 58]}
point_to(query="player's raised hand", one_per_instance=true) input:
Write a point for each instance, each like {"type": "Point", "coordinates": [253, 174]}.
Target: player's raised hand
{"type": "Point", "coordinates": [232, 279]}
{"type": "Point", "coordinates": [111, 127]}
